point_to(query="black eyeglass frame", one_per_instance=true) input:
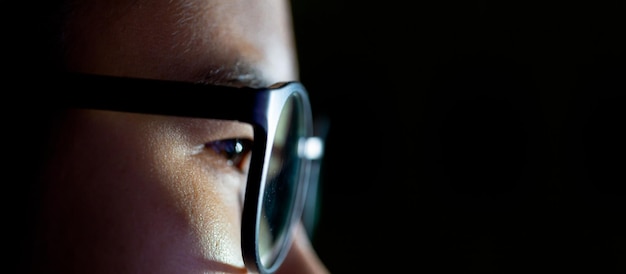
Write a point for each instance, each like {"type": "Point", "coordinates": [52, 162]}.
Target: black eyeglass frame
{"type": "Point", "coordinates": [259, 107]}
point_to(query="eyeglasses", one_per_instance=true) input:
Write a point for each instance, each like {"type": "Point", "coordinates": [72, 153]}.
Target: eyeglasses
{"type": "Point", "coordinates": [280, 162]}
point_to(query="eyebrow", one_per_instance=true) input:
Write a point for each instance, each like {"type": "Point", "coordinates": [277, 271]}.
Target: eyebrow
{"type": "Point", "coordinates": [242, 74]}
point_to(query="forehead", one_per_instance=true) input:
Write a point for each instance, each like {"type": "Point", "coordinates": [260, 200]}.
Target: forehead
{"type": "Point", "coordinates": [190, 40]}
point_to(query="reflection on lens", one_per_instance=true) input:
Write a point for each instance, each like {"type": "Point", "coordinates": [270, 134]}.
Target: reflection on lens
{"type": "Point", "coordinates": [281, 189]}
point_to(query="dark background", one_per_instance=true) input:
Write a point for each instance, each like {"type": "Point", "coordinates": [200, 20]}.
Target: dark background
{"type": "Point", "coordinates": [471, 136]}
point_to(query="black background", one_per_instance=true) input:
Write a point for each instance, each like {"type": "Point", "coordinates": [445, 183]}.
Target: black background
{"type": "Point", "coordinates": [472, 136]}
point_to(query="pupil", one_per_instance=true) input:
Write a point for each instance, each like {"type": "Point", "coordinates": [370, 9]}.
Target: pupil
{"type": "Point", "coordinates": [233, 151]}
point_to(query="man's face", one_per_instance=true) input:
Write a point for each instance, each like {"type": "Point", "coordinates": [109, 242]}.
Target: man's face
{"type": "Point", "coordinates": [135, 193]}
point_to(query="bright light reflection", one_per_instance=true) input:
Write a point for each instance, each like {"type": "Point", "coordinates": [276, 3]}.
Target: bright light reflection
{"type": "Point", "coordinates": [313, 148]}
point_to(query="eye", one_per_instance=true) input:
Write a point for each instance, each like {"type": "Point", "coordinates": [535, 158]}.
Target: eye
{"type": "Point", "coordinates": [233, 150]}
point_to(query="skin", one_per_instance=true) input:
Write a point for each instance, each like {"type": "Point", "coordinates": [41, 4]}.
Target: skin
{"type": "Point", "coordinates": [136, 193]}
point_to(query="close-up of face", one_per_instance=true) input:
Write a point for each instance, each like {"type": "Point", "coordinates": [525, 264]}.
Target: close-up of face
{"type": "Point", "coordinates": [144, 193]}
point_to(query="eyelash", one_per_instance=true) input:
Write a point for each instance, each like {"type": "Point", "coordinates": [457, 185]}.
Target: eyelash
{"type": "Point", "coordinates": [233, 150]}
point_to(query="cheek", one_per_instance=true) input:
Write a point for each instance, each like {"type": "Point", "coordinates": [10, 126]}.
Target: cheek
{"type": "Point", "coordinates": [206, 200]}
{"type": "Point", "coordinates": [129, 194]}
{"type": "Point", "coordinates": [203, 201]}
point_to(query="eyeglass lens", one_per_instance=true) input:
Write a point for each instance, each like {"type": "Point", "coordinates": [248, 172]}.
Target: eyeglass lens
{"type": "Point", "coordinates": [281, 193]}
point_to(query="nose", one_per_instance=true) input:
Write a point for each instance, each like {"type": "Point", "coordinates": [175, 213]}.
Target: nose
{"type": "Point", "coordinates": [302, 257]}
